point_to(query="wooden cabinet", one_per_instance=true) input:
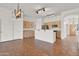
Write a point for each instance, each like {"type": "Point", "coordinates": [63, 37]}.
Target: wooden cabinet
{"type": "Point", "coordinates": [54, 24]}
{"type": "Point", "coordinates": [58, 34]}
{"type": "Point", "coordinates": [28, 33]}
{"type": "Point", "coordinates": [27, 24]}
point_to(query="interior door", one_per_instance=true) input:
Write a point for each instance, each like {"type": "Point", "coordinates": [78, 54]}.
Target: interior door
{"type": "Point", "coordinates": [72, 28]}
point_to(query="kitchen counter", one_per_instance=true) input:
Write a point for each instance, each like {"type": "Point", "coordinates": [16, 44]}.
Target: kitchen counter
{"type": "Point", "coordinates": [46, 35]}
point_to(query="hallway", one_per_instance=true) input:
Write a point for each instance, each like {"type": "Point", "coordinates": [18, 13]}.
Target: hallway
{"type": "Point", "coordinates": [32, 47]}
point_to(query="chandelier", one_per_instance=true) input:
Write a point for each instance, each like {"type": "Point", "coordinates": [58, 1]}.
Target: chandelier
{"type": "Point", "coordinates": [17, 12]}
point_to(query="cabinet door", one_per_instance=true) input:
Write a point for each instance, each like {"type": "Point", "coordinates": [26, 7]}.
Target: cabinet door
{"type": "Point", "coordinates": [6, 30]}
{"type": "Point", "coordinates": [58, 35]}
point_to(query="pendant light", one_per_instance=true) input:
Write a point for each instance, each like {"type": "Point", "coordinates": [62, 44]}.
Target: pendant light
{"type": "Point", "coordinates": [17, 12]}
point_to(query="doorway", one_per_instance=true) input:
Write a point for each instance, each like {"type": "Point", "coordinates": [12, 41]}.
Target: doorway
{"type": "Point", "coordinates": [72, 29]}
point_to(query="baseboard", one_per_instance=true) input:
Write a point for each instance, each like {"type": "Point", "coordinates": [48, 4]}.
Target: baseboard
{"type": "Point", "coordinates": [28, 37]}
{"type": "Point", "coordinates": [10, 40]}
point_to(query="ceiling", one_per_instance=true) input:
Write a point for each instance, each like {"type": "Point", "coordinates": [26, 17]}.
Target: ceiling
{"type": "Point", "coordinates": [30, 8]}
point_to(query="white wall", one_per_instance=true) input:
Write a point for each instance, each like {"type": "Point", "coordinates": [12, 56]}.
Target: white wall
{"type": "Point", "coordinates": [6, 30]}
{"type": "Point", "coordinates": [6, 24]}
{"type": "Point", "coordinates": [38, 24]}
{"type": "Point", "coordinates": [18, 29]}
{"type": "Point", "coordinates": [9, 27]}
{"type": "Point", "coordinates": [67, 17]}
{"type": "Point", "coordinates": [51, 19]}
{"type": "Point", "coordinates": [63, 30]}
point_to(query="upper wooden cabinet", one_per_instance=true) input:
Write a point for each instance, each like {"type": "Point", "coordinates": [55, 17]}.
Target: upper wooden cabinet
{"type": "Point", "coordinates": [27, 24]}
{"type": "Point", "coordinates": [54, 24]}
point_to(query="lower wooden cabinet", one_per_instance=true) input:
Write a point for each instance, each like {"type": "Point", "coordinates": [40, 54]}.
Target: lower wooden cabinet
{"type": "Point", "coordinates": [58, 34]}
{"type": "Point", "coordinates": [28, 33]}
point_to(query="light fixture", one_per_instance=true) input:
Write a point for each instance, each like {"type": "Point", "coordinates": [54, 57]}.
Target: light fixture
{"type": "Point", "coordinates": [37, 12]}
{"type": "Point", "coordinates": [42, 9]}
{"type": "Point", "coordinates": [17, 12]}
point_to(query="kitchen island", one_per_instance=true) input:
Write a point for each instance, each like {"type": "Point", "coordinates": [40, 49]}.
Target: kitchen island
{"type": "Point", "coordinates": [45, 35]}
